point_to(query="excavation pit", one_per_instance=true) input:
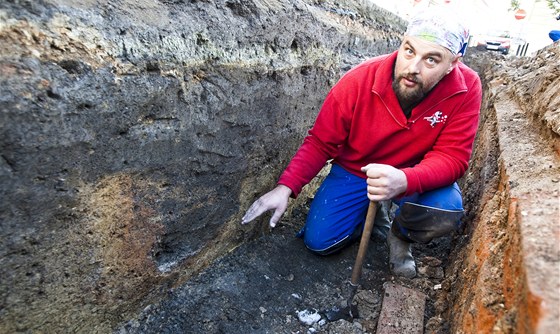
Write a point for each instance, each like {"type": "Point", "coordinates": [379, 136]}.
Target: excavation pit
{"type": "Point", "coordinates": [131, 146]}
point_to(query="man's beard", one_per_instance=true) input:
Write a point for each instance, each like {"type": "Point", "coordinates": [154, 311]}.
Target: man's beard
{"type": "Point", "coordinates": [408, 97]}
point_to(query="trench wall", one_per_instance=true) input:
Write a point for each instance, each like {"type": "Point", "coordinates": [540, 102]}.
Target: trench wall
{"type": "Point", "coordinates": [134, 134]}
{"type": "Point", "coordinates": [504, 275]}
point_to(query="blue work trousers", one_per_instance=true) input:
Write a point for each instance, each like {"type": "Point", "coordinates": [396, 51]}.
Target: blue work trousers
{"type": "Point", "coordinates": [337, 213]}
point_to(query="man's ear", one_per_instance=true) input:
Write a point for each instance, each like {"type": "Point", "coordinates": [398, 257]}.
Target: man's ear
{"type": "Point", "coordinates": [453, 63]}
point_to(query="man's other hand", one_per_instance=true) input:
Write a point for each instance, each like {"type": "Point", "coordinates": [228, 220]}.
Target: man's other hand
{"type": "Point", "coordinates": [384, 181]}
{"type": "Point", "coordinates": [276, 199]}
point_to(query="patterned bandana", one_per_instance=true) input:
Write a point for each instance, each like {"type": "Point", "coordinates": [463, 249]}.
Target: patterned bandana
{"type": "Point", "coordinates": [440, 26]}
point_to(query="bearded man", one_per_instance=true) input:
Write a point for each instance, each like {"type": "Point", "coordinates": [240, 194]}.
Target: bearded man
{"type": "Point", "coordinates": [397, 128]}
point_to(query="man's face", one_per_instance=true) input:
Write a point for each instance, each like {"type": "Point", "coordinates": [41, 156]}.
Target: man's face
{"type": "Point", "coordinates": [419, 67]}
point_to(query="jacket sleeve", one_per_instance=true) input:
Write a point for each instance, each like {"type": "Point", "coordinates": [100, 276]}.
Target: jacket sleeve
{"type": "Point", "coordinates": [449, 158]}
{"type": "Point", "coordinates": [322, 142]}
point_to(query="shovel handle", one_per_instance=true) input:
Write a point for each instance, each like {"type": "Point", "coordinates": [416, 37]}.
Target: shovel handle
{"type": "Point", "coordinates": [364, 242]}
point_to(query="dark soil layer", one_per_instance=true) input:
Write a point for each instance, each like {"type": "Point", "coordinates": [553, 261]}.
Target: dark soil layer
{"type": "Point", "coordinates": [134, 133]}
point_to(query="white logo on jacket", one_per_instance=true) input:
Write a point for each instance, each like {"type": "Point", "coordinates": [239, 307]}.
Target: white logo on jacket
{"type": "Point", "coordinates": [437, 117]}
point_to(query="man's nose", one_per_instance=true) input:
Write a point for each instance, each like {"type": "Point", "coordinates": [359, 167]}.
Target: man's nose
{"type": "Point", "coordinates": [414, 65]}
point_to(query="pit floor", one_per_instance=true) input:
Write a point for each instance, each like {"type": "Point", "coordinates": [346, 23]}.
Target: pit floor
{"type": "Point", "coordinates": [273, 284]}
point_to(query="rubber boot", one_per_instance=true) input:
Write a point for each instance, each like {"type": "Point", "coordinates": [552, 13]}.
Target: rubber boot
{"type": "Point", "coordinates": [401, 261]}
{"type": "Point", "coordinates": [382, 223]}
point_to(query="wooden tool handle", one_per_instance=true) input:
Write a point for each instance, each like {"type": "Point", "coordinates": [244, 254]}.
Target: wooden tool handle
{"type": "Point", "coordinates": [364, 242]}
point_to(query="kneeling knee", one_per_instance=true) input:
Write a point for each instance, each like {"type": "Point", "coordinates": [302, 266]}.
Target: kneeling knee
{"type": "Point", "coordinates": [321, 247]}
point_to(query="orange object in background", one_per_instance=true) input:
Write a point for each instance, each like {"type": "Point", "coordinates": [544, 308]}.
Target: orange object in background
{"type": "Point", "coordinates": [520, 14]}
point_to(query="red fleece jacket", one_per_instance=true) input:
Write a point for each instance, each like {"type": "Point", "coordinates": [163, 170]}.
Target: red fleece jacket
{"type": "Point", "coordinates": [361, 122]}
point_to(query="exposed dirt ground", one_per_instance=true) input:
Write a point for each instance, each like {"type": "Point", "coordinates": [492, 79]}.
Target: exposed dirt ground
{"type": "Point", "coordinates": [265, 286]}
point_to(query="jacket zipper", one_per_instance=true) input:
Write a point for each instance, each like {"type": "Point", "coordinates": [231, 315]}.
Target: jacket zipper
{"type": "Point", "coordinates": [390, 112]}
